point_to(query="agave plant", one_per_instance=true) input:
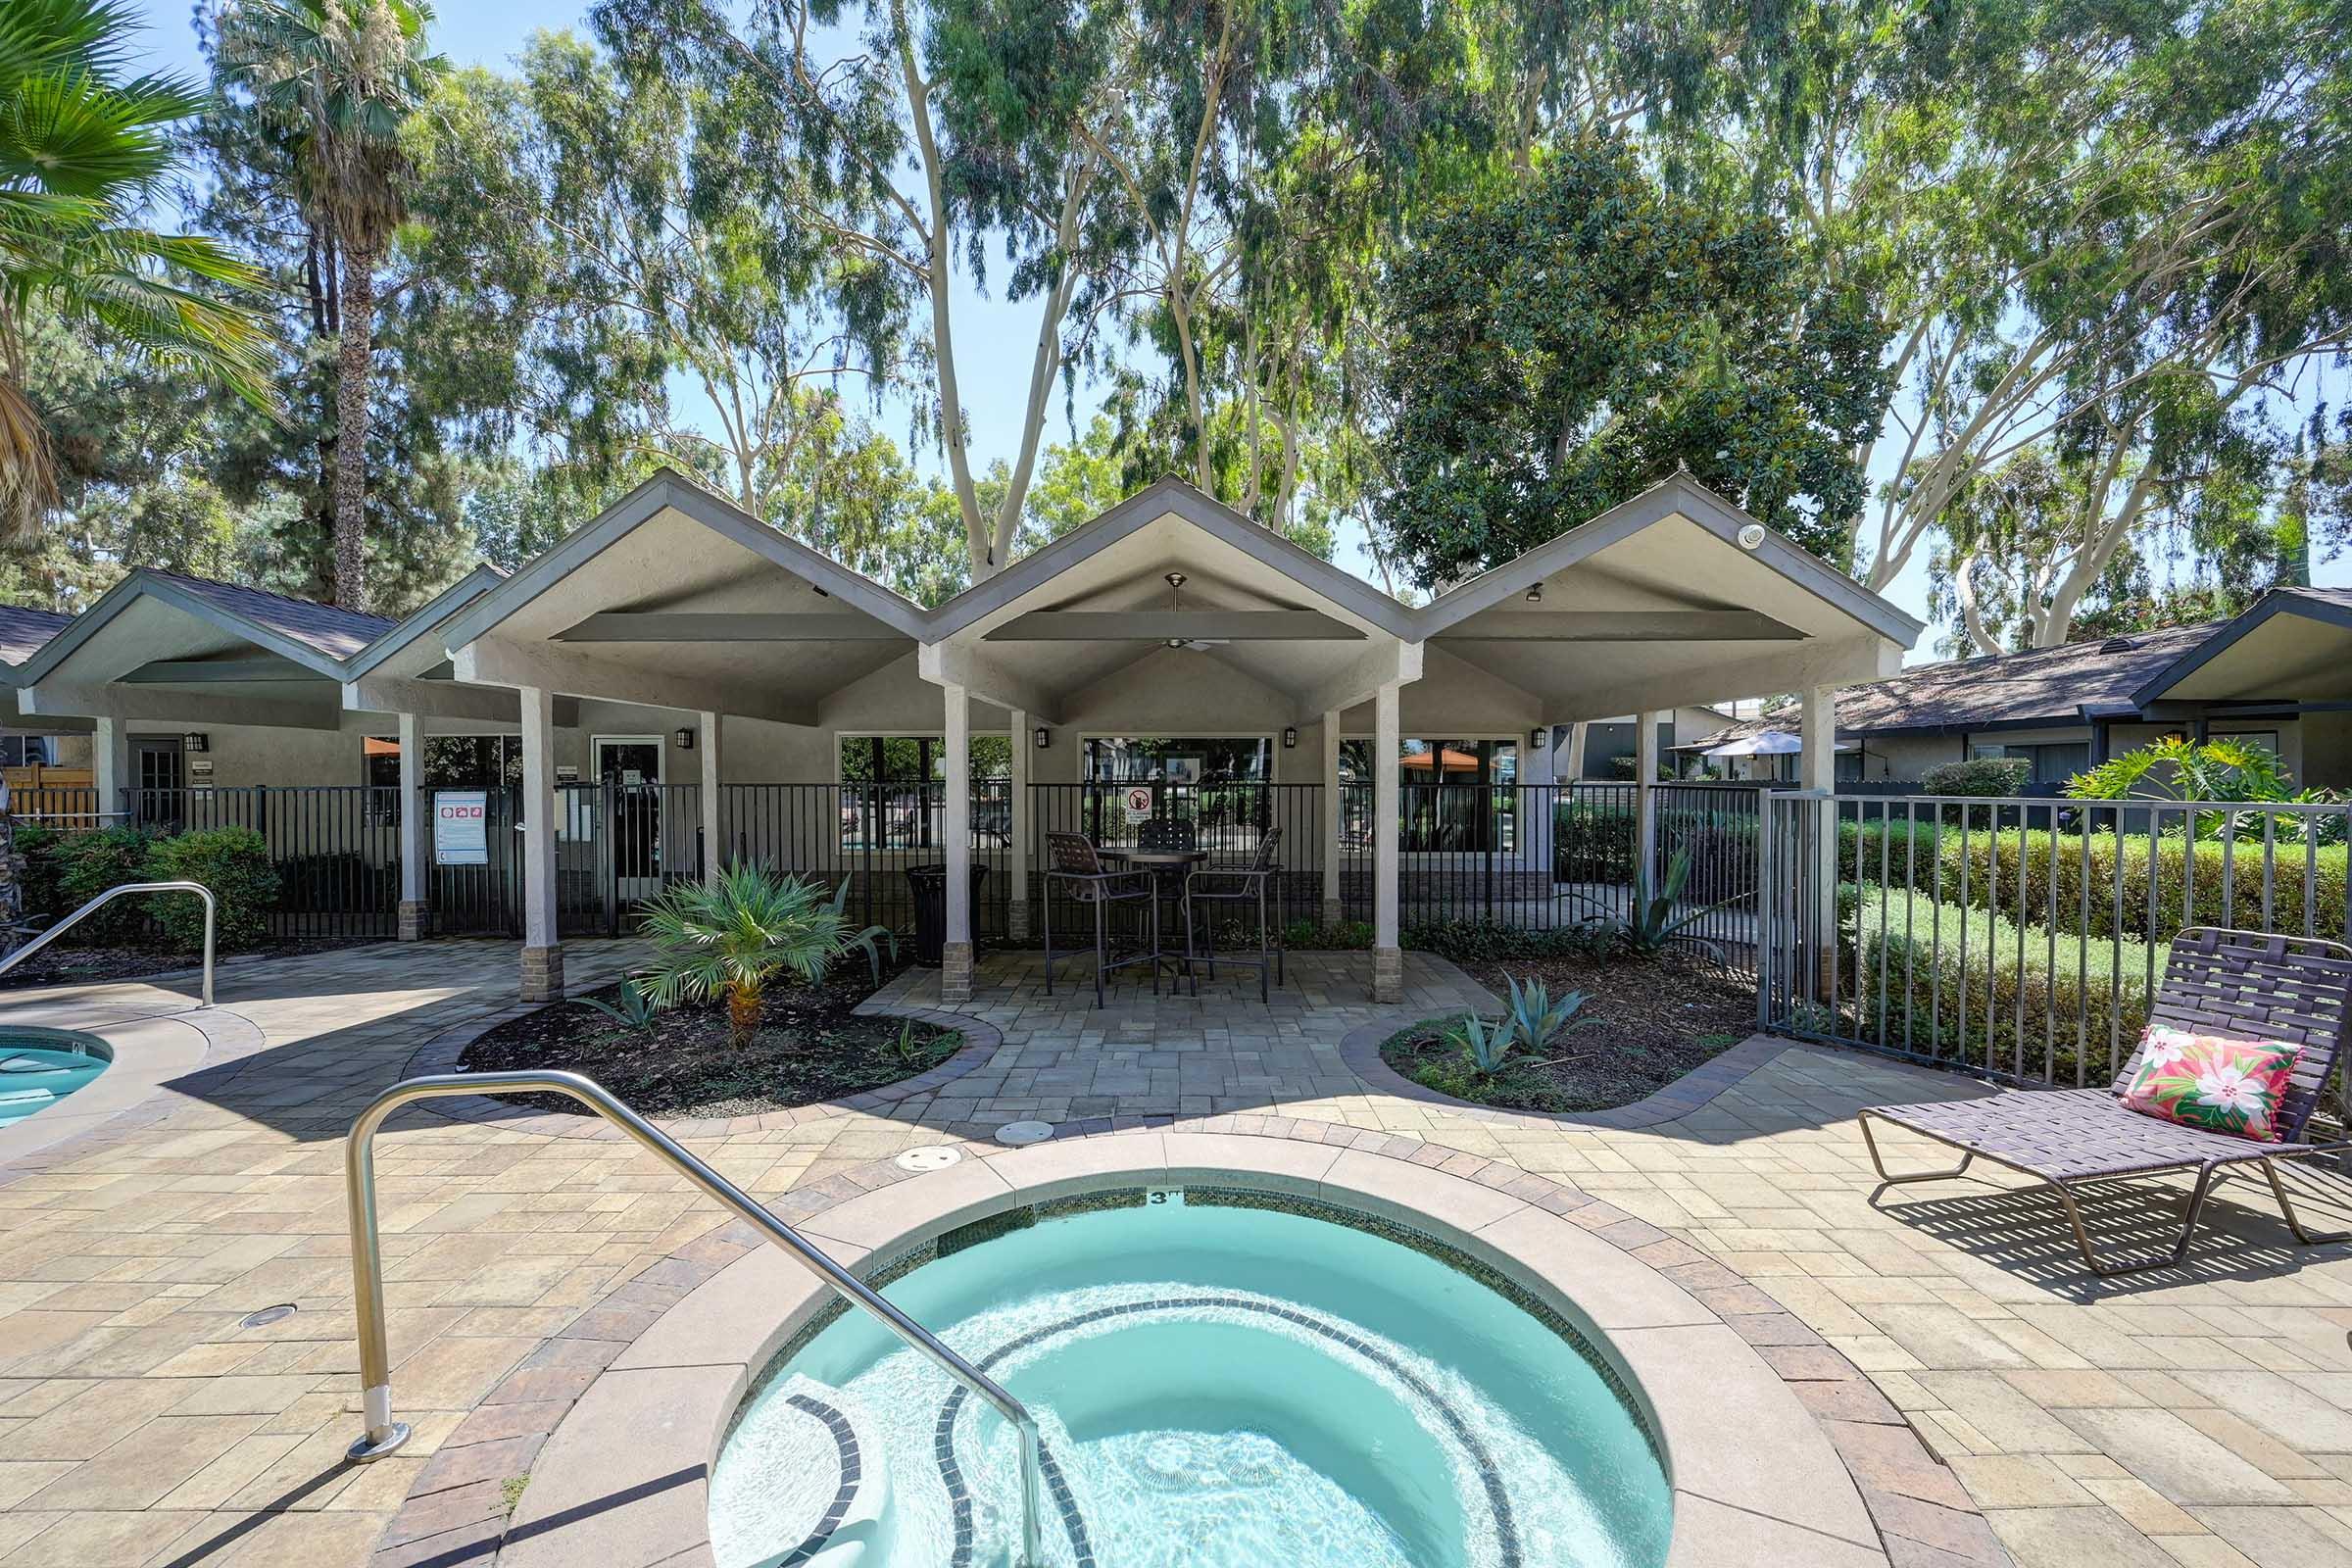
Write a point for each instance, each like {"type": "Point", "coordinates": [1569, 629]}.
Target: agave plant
{"type": "Point", "coordinates": [1534, 1018]}
{"type": "Point", "coordinates": [729, 937]}
{"type": "Point", "coordinates": [1487, 1046]}
{"type": "Point", "coordinates": [635, 1008]}
{"type": "Point", "coordinates": [1652, 922]}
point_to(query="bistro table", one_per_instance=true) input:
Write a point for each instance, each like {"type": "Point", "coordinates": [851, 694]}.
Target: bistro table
{"type": "Point", "coordinates": [1168, 869]}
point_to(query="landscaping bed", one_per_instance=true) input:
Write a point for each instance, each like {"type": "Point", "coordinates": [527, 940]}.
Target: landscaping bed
{"type": "Point", "coordinates": [811, 1046]}
{"type": "Point", "coordinates": [1646, 1022]}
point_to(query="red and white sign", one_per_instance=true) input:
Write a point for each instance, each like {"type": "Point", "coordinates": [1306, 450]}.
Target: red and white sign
{"type": "Point", "coordinates": [460, 827]}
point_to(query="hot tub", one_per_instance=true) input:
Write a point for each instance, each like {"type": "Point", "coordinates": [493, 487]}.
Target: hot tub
{"type": "Point", "coordinates": [38, 1067]}
{"type": "Point", "coordinates": [1224, 1377]}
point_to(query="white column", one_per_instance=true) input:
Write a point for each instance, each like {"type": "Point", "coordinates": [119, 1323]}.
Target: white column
{"type": "Point", "coordinates": [714, 848]}
{"type": "Point", "coordinates": [956, 965]}
{"type": "Point", "coordinates": [1018, 830]}
{"type": "Point", "coordinates": [110, 764]}
{"type": "Point", "coordinates": [1817, 769]}
{"type": "Point", "coordinates": [1335, 812]}
{"type": "Point", "coordinates": [1387, 957]}
{"type": "Point", "coordinates": [415, 842]}
{"type": "Point", "coordinates": [1645, 799]}
{"type": "Point", "coordinates": [542, 953]}
{"type": "Point", "coordinates": [1537, 803]}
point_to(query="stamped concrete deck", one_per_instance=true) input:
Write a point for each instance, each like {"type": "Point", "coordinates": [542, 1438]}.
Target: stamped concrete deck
{"type": "Point", "coordinates": [2201, 1416]}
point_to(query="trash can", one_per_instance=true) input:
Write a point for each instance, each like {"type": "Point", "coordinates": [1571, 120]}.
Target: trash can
{"type": "Point", "coordinates": [930, 886]}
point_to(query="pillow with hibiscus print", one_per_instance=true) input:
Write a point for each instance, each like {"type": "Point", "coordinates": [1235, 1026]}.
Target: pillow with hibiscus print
{"type": "Point", "coordinates": [2208, 1081]}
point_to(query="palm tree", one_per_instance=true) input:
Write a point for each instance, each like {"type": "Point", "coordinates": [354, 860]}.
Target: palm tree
{"type": "Point", "coordinates": [81, 149]}
{"type": "Point", "coordinates": [729, 937]}
{"type": "Point", "coordinates": [335, 79]}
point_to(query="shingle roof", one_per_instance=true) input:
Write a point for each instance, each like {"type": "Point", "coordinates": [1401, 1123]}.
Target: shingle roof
{"type": "Point", "coordinates": [22, 631]}
{"type": "Point", "coordinates": [337, 633]}
{"type": "Point", "coordinates": [2044, 685]}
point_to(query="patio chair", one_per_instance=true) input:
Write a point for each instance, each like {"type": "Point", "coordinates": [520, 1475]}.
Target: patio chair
{"type": "Point", "coordinates": [1072, 862]}
{"type": "Point", "coordinates": [2244, 985]}
{"type": "Point", "coordinates": [1230, 885]}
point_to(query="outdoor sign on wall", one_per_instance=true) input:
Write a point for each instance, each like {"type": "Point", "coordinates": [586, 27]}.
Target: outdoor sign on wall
{"type": "Point", "coordinates": [1138, 801]}
{"type": "Point", "coordinates": [460, 827]}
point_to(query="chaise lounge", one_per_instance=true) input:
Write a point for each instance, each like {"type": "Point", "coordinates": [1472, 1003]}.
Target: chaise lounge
{"type": "Point", "coordinates": [2242, 984]}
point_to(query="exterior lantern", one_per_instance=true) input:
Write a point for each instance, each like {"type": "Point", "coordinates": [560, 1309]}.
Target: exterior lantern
{"type": "Point", "coordinates": [1289, 736]}
{"type": "Point", "coordinates": [1045, 737]}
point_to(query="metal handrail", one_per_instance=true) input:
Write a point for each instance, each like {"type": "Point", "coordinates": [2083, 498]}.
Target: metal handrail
{"type": "Point", "coordinates": [383, 1434]}
{"type": "Point", "coordinates": [211, 911]}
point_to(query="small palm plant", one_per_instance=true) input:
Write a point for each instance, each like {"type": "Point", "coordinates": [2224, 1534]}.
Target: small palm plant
{"type": "Point", "coordinates": [729, 937]}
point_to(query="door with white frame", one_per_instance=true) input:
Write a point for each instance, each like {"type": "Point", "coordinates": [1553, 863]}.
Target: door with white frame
{"type": "Point", "coordinates": [629, 769]}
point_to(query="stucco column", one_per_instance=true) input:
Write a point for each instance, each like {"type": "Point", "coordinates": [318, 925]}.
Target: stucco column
{"type": "Point", "coordinates": [1817, 769]}
{"type": "Point", "coordinates": [1387, 956]}
{"type": "Point", "coordinates": [1537, 808]}
{"type": "Point", "coordinates": [1335, 812]}
{"type": "Point", "coordinates": [1645, 796]}
{"type": "Point", "coordinates": [715, 848]}
{"type": "Point", "coordinates": [955, 959]}
{"type": "Point", "coordinates": [1016, 916]}
{"type": "Point", "coordinates": [542, 953]}
{"type": "Point", "coordinates": [109, 764]}
{"type": "Point", "coordinates": [416, 843]}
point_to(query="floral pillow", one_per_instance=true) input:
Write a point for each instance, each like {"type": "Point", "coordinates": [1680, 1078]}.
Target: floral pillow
{"type": "Point", "coordinates": [2220, 1085]}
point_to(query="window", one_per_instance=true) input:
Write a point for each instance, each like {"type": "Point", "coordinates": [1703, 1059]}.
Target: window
{"type": "Point", "coordinates": [1146, 758]}
{"type": "Point", "coordinates": [891, 797]}
{"type": "Point", "coordinates": [379, 762]}
{"type": "Point", "coordinates": [27, 751]}
{"type": "Point", "coordinates": [1454, 794]}
{"type": "Point", "coordinates": [2053, 763]}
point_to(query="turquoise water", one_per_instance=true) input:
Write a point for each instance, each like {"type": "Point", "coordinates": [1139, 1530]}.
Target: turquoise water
{"type": "Point", "coordinates": [38, 1067]}
{"type": "Point", "coordinates": [1219, 1386]}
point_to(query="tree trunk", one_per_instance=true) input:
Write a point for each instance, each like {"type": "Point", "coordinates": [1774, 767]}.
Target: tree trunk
{"type": "Point", "coordinates": [743, 1014]}
{"type": "Point", "coordinates": [354, 374]}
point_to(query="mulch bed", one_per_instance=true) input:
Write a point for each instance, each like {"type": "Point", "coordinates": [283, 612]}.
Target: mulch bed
{"type": "Point", "coordinates": [1651, 1020]}
{"type": "Point", "coordinates": [810, 1047]}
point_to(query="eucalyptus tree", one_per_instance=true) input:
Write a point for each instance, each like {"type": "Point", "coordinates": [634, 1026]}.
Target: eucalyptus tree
{"type": "Point", "coordinates": [913, 136]}
{"type": "Point", "coordinates": [334, 81]}
{"type": "Point", "coordinates": [83, 147]}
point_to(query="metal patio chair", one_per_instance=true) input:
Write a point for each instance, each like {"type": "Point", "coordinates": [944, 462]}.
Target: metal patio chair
{"type": "Point", "coordinates": [1235, 885]}
{"type": "Point", "coordinates": [2244, 985]}
{"type": "Point", "coordinates": [1073, 862]}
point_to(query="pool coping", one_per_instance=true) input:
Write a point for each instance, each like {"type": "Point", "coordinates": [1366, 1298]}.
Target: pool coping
{"type": "Point", "coordinates": [1779, 1448]}
{"type": "Point", "coordinates": [154, 1049]}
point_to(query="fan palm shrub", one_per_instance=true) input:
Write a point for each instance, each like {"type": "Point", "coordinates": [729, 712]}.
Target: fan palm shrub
{"type": "Point", "coordinates": [84, 145]}
{"type": "Point", "coordinates": [728, 939]}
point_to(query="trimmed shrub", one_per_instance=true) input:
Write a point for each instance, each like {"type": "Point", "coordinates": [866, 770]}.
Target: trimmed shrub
{"type": "Point", "coordinates": [2084, 1002]}
{"type": "Point", "coordinates": [1479, 942]}
{"type": "Point", "coordinates": [2200, 882]}
{"type": "Point", "coordinates": [1592, 843]}
{"type": "Point", "coordinates": [1979, 775]}
{"type": "Point", "coordinates": [89, 864]}
{"type": "Point", "coordinates": [1906, 849]}
{"type": "Point", "coordinates": [43, 850]}
{"type": "Point", "coordinates": [234, 864]}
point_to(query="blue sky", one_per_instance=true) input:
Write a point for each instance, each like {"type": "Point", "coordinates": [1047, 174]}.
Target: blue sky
{"type": "Point", "coordinates": [989, 332]}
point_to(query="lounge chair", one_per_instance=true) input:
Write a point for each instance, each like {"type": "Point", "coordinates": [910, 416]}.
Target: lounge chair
{"type": "Point", "coordinates": [2241, 984]}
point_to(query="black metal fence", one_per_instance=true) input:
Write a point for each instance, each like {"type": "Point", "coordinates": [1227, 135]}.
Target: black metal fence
{"type": "Point", "coordinates": [2020, 938]}
{"type": "Point", "coordinates": [335, 848]}
{"type": "Point", "coordinates": [868, 834]}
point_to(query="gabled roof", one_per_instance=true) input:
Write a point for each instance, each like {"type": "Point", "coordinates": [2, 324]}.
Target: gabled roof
{"type": "Point", "coordinates": [2066, 685]}
{"type": "Point", "coordinates": [1677, 495]}
{"type": "Point", "coordinates": [22, 631]}
{"type": "Point", "coordinates": [423, 620]}
{"type": "Point", "coordinates": [2330, 606]}
{"type": "Point", "coordinates": [318, 637]}
{"type": "Point", "coordinates": [1160, 499]}
{"type": "Point", "coordinates": [669, 489]}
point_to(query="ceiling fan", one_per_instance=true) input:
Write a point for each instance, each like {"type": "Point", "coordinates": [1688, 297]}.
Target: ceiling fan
{"type": "Point", "coordinates": [1176, 581]}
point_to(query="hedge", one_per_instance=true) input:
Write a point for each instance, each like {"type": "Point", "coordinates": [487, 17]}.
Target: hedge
{"type": "Point", "coordinates": [234, 864]}
{"type": "Point", "coordinates": [2214, 899]}
{"type": "Point", "coordinates": [2102, 982]}
{"type": "Point", "coordinates": [89, 864]}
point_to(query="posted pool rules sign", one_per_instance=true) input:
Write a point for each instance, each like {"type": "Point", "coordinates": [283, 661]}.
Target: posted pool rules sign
{"type": "Point", "coordinates": [460, 827]}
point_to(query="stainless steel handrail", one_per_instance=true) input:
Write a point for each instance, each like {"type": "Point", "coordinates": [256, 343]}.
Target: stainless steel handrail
{"type": "Point", "coordinates": [383, 1434]}
{"type": "Point", "coordinates": [211, 912]}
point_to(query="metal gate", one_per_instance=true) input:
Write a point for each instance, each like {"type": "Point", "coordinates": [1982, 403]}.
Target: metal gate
{"type": "Point", "coordinates": [617, 845]}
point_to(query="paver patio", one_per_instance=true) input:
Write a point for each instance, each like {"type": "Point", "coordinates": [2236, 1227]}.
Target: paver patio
{"type": "Point", "coordinates": [2201, 1416]}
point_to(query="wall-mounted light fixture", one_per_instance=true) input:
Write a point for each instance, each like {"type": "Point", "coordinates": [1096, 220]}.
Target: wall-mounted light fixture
{"type": "Point", "coordinates": [196, 741]}
{"type": "Point", "coordinates": [1537, 739]}
{"type": "Point", "coordinates": [1045, 737]}
{"type": "Point", "coordinates": [1289, 736]}
{"type": "Point", "coordinates": [1535, 593]}
{"type": "Point", "coordinates": [685, 740]}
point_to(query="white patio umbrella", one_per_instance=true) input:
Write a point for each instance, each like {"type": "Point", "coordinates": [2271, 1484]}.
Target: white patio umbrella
{"type": "Point", "coordinates": [1764, 743]}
